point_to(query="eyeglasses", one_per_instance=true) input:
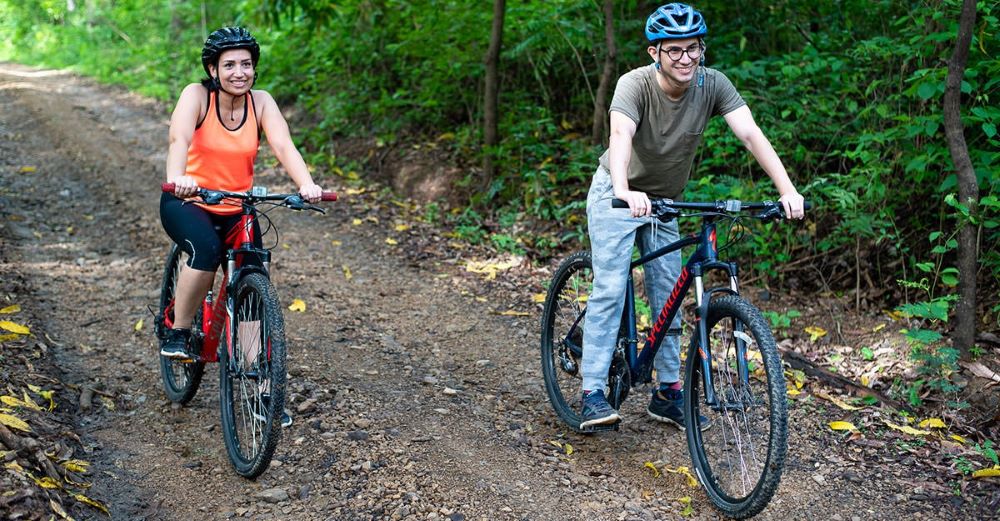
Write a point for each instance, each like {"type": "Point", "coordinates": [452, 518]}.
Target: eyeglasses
{"type": "Point", "coordinates": [694, 52]}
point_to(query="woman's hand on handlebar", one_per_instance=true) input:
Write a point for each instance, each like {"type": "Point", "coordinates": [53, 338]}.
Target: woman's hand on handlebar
{"type": "Point", "coordinates": [794, 205]}
{"type": "Point", "coordinates": [311, 192]}
{"type": "Point", "coordinates": [184, 186]}
{"type": "Point", "coordinates": [638, 202]}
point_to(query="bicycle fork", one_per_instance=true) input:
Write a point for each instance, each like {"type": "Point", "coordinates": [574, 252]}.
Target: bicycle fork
{"type": "Point", "coordinates": [701, 337]}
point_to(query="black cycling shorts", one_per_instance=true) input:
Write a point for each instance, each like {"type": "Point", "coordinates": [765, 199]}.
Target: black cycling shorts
{"type": "Point", "coordinates": [199, 233]}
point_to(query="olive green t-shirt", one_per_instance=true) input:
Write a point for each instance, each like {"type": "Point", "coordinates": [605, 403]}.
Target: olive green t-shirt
{"type": "Point", "coordinates": [668, 132]}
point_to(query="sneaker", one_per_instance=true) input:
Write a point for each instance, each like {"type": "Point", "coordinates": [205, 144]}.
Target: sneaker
{"type": "Point", "coordinates": [667, 406]}
{"type": "Point", "coordinates": [597, 410]}
{"type": "Point", "coordinates": [261, 407]}
{"type": "Point", "coordinates": [176, 345]}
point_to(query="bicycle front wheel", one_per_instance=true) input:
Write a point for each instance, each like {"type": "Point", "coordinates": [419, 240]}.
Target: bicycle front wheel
{"type": "Point", "coordinates": [252, 377]}
{"type": "Point", "coordinates": [180, 379]}
{"type": "Point", "coordinates": [562, 335]}
{"type": "Point", "coordinates": [737, 445]}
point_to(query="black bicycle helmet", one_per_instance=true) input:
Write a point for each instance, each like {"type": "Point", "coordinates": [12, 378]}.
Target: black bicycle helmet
{"type": "Point", "coordinates": [225, 39]}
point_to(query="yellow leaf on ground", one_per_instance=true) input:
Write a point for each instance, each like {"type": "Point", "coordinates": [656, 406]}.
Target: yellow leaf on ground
{"type": "Point", "coordinates": [10, 336]}
{"type": "Point", "coordinates": [336, 243]}
{"type": "Point", "coordinates": [905, 428]}
{"type": "Point", "coordinates": [15, 466]}
{"type": "Point", "coordinates": [58, 509]}
{"type": "Point", "coordinates": [569, 449]}
{"type": "Point", "coordinates": [297, 305]}
{"type": "Point", "coordinates": [10, 309]}
{"type": "Point", "coordinates": [94, 503]}
{"type": "Point", "coordinates": [987, 473]}
{"type": "Point", "coordinates": [14, 328]}
{"type": "Point", "coordinates": [12, 401]}
{"type": "Point", "coordinates": [489, 268]}
{"type": "Point", "coordinates": [836, 401]}
{"type": "Point", "coordinates": [109, 404]}
{"type": "Point", "coordinates": [44, 394]}
{"type": "Point", "coordinates": [878, 328]}
{"type": "Point", "coordinates": [390, 241]}
{"type": "Point", "coordinates": [347, 272]}
{"type": "Point", "coordinates": [28, 169]}
{"type": "Point", "coordinates": [14, 422]}
{"type": "Point", "coordinates": [356, 221]}
{"type": "Point", "coordinates": [793, 392]}
{"type": "Point", "coordinates": [138, 325]}
{"type": "Point", "coordinates": [29, 403]}
{"type": "Point", "coordinates": [815, 332]}
{"type": "Point", "coordinates": [76, 465]}
{"type": "Point", "coordinates": [538, 298]}
{"type": "Point", "coordinates": [47, 482]}
{"type": "Point", "coordinates": [691, 481]}
{"type": "Point", "coordinates": [512, 313]}
{"type": "Point", "coordinates": [958, 438]}
{"type": "Point", "coordinates": [402, 227]}
{"type": "Point", "coordinates": [355, 191]}
{"type": "Point", "coordinates": [649, 465]}
{"type": "Point", "coordinates": [932, 423]}
{"type": "Point", "coordinates": [843, 426]}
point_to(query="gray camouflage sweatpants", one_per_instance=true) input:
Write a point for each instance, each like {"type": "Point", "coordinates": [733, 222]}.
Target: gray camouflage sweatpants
{"type": "Point", "coordinates": [613, 231]}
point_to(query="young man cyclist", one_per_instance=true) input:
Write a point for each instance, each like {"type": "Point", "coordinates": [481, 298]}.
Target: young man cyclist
{"type": "Point", "coordinates": [658, 114]}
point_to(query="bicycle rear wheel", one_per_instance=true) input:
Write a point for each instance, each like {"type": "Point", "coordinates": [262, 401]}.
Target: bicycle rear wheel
{"type": "Point", "coordinates": [562, 335]}
{"type": "Point", "coordinates": [252, 377]}
{"type": "Point", "coordinates": [180, 380]}
{"type": "Point", "coordinates": [740, 457]}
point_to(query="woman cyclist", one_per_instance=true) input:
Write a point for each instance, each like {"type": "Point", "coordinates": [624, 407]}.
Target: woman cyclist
{"type": "Point", "coordinates": [214, 135]}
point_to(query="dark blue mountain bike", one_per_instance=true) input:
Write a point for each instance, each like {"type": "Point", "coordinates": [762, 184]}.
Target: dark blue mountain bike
{"type": "Point", "coordinates": [733, 375]}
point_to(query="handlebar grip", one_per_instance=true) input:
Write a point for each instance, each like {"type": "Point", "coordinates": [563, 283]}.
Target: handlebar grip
{"type": "Point", "coordinates": [618, 203]}
{"type": "Point", "coordinates": [328, 196]}
{"type": "Point", "coordinates": [168, 187]}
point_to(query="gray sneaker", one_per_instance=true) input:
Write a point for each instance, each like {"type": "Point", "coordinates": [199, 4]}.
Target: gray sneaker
{"type": "Point", "coordinates": [597, 410]}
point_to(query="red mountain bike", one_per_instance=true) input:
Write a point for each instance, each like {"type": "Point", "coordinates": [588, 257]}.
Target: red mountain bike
{"type": "Point", "coordinates": [240, 325]}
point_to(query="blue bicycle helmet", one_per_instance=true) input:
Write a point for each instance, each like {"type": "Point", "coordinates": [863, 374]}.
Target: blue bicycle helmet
{"type": "Point", "coordinates": [675, 21]}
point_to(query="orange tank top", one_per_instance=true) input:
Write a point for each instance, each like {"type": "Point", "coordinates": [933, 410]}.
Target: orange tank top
{"type": "Point", "coordinates": [222, 159]}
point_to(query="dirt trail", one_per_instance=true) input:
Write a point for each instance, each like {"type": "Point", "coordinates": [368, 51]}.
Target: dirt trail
{"type": "Point", "coordinates": [413, 398]}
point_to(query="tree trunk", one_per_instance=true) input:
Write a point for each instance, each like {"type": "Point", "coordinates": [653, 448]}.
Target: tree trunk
{"type": "Point", "coordinates": [599, 133]}
{"type": "Point", "coordinates": [968, 188]}
{"type": "Point", "coordinates": [490, 134]}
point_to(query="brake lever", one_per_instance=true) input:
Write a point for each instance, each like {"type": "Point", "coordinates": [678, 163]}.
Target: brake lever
{"type": "Point", "coordinates": [296, 202]}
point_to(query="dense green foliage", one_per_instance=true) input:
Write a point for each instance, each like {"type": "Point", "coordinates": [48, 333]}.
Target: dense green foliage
{"type": "Point", "coordinates": [849, 92]}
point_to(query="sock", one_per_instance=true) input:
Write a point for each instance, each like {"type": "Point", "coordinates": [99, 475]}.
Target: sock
{"type": "Point", "coordinates": [677, 386]}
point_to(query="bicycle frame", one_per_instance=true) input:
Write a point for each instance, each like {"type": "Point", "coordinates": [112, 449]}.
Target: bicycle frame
{"type": "Point", "coordinates": [702, 261]}
{"type": "Point", "coordinates": [217, 312]}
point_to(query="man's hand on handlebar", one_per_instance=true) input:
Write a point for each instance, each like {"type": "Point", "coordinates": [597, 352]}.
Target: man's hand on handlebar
{"type": "Point", "coordinates": [638, 202]}
{"type": "Point", "coordinates": [794, 205]}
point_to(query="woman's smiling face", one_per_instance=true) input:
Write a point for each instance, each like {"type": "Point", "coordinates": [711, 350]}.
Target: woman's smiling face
{"type": "Point", "coordinates": [235, 71]}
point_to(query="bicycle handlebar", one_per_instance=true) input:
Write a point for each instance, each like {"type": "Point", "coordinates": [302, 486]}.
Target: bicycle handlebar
{"type": "Point", "coordinates": [668, 209]}
{"type": "Point", "coordinates": [294, 201]}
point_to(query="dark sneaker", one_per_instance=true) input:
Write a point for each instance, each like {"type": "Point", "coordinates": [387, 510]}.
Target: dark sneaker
{"type": "Point", "coordinates": [259, 411]}
{"type": "Point", "coordinates": [176, 345]}
{"type": "Point", "coordinates": [597, 410]}
{"type": "Point", "coordinates": [667, 406]}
